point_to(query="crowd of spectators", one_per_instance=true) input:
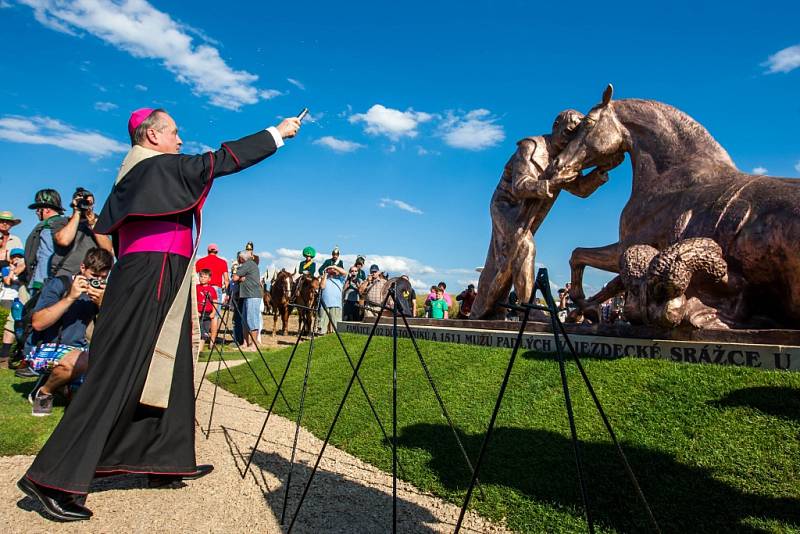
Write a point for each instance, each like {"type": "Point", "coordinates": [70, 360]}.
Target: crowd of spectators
{"type": "Point", "coordinates": [52, 286]}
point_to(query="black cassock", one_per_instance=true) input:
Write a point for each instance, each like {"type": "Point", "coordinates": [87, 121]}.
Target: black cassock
{"type": "Point", "coordinates": [105, 429]}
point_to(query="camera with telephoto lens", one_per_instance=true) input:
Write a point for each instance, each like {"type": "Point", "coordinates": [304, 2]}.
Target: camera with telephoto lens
{"type": "Point", "coordinates": [81, 199]}
{"type": "Point", "coordinates": [95, 283]}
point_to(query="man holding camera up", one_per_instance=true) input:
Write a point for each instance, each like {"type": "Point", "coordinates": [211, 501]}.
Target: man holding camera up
{"type": "Point", "coordinates": [74, 237]}
{"type": "Point", "coordinates": [65, 308]}
{"type": "Point", "coordinates": [372, 290]}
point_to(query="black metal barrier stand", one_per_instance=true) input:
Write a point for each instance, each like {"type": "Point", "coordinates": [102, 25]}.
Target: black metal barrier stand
{"type": "Point", "coordinates": [543, 285]}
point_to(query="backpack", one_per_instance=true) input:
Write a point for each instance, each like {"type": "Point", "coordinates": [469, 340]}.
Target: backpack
{"type": "Point", "coordinates": [23, 330]}
{"type": "Point", "coordinates": [32, 248]}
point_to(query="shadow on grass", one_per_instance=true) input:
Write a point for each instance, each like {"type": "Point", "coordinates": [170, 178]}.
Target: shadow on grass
{"type": "Point", "coordinates": [24, 388]}
{"type": "Point", "coordinates": [540, 465]}
{"type": "Point", "coordinates": [338, 504]}
{"type": "Point", "coordinates": [772, 400]}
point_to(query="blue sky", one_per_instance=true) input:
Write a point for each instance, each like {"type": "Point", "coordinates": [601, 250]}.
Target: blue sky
{"type": "Point", "coordinates": [417, 107]}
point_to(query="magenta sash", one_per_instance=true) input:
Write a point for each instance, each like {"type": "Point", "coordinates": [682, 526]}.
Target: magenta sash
{"type": "Point", "coordinates": [155, 236]}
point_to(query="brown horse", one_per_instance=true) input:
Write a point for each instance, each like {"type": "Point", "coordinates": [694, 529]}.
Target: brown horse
{"type": "Point", "coordinates": [267, 298]}
{"type": "Point", "coordinates": [685, 185]}
{"type": "Point", "coordinates": [305, 293]}
{"type": "Point", "coordinates": [280, 293]}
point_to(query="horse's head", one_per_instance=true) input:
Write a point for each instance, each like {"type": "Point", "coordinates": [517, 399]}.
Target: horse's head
{"type": "Point", "coordinates": [282, 284]}
{"type": "Point", "coordinates": [597, 141]}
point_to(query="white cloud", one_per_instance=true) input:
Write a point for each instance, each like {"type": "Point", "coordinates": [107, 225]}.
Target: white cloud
{"type": "Point", "coordinates": [266, 255]}
{"type": "Point", "coordinates": [338, 145]}
{"type": "Point", "coordinates": [296, 83]}
{"type": "Point", "coordinates": [422, 151]}
{"type": "Point", "coordinates": [105, 106]}
{"type": "Point", "coordinates": [138, 28]}
{"type": "Point", "coordinates": [475, 130]}
{"type": "Point", "coordinates": [293, 252]}
{"type": "Point", "coordinates": [797, 166]}
{"type": "Point", "coordinates": [397, 265]}
{"type": "Point", "coordinates": [760, 171]}
{"type": "Point", "coordinates": [387, 202]}
{"type": "Point", "coordinates": [268, 94]}
{"type": "Point", "coordinates": [314, 117]}
{"type": "Point", "coordinates": [140, 87]}
{"type": "Point", "coordinates": [345, 112]}
{"type": "Point", "coordinates": [194, 147]}
{"type": "Point", "coordinates": [4, 4]}
{"type": "Point", "coordinates": [39, 130]}
{"type": "Point", "coordinates": [392, 123]}
{"type": "Point", "coordinates": [785, 60]}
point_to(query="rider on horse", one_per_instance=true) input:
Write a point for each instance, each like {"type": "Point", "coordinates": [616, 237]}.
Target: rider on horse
{"type": "Point", "coordinates": [307, 265]}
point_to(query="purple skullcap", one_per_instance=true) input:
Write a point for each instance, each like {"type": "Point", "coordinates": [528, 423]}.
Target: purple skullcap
{"type": "Point", "coordinates": [137, 118]}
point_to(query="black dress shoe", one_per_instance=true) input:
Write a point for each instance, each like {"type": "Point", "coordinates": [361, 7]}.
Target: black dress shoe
{"type": "Point", "coordinates": [157, 481]}
{"type": "Point", "coordinates": [58, 505]}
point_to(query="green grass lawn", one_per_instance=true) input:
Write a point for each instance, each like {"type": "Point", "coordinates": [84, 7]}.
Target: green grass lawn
{"type": "Point", "coordinates": [715, 448]}
{"type": "Point", "coordinates": [20, 432]}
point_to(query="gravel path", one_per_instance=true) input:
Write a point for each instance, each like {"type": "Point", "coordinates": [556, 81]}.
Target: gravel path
{"type": "Point", "coordinates": [348, 495]}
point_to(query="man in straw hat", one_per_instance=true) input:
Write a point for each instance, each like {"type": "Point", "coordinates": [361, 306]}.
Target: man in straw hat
{"type": "Point", "coordinates": [135, 411]}
{"type": "Point", "coordinates": [8, 240]}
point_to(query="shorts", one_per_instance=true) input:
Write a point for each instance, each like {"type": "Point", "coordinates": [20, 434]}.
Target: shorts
{"type": "Point", "coordinates": [43, 358]}
{"type": "Point", "coordinates": [336, 318]}
{"type": "Point", "coordinates": [252, 313]}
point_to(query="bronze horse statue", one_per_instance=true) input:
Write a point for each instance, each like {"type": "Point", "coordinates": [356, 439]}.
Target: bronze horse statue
{"type": "Point", "coordinates": [280, 293]}
{"type": "Point", "coordinates": [686, 186]}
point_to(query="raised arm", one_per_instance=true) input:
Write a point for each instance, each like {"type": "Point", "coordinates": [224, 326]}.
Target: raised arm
{"type": "Point", "coordinates": [234, 156]}
{"type": "Point", "coordinates": [584, 186]}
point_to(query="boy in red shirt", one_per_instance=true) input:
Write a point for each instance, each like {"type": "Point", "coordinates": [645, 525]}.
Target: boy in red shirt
{"type": "Point", "coordinates": [206, 296]}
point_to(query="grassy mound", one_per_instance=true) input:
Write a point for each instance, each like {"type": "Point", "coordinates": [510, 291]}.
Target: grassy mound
{"type": "Point", "coordinates": [714, 448]}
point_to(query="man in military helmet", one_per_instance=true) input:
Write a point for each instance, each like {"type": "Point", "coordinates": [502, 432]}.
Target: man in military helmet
{"type": "Point", "coordinates": [333, 260]}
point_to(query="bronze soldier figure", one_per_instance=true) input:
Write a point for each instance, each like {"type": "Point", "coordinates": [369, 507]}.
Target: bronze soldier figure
{"type": "Point", "coordinates": [519, 205]}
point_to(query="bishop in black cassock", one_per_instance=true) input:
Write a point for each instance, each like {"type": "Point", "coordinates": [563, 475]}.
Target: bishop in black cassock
{"type": "Point", "coordinates": [135, 411]}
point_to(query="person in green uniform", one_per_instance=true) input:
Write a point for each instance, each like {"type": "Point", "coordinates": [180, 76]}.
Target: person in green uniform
{"type": "Point", "coordinates": [332, 261]}
{"type": "Point", "coordinates": [307, 264]}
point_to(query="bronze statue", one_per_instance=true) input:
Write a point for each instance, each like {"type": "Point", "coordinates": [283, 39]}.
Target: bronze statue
{"type": "Point", "coordinates": [657, 283]}
{"type": "Point", "coordinates": [520, 203]}
{"type": "Point", "coordinates": [685, 186]}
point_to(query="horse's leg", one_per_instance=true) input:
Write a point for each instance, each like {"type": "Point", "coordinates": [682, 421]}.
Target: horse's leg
{"type": "Point", "coordinates": [274, 322]}
{"type": "Point", "coordinates": [604, 258]}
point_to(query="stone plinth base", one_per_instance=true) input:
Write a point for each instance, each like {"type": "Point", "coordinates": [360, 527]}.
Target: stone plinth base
{"type": "Point", "coordinates": [765, 349]}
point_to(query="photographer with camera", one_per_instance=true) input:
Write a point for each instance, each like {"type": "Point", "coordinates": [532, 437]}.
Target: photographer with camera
{"type": "Point", "coordinates": [58, 343]}
{"type": "Point", "coordinates": [350, 309]}
{"type": "Point", "coordinates": [75, 236]}
{"type": "Point", "coordinates": [372, 291]}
